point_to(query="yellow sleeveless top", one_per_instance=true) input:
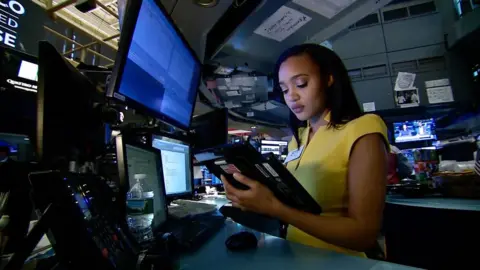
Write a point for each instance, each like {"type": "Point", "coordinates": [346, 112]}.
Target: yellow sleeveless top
{"type": "Point", "coordinates": [322, 170]}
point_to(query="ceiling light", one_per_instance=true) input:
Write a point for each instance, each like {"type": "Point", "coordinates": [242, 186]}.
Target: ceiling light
{"type": "Point", "coordinates": [206, 3]}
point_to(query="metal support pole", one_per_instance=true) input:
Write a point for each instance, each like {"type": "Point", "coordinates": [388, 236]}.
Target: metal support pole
{"type": "Point", "coordinates": [88, 34]}
{"type": "Point", "coordinates": [90, 44]}
{"type": "Point", "coordinates": [76, 43]}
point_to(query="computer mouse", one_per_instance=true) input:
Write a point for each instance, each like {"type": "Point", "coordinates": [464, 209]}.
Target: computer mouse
{"type": "Point", "coordinates": [241, 241]}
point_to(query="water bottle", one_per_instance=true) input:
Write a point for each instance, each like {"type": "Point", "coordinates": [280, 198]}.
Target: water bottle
{"type": "Point", "coordinates": [140, 211]}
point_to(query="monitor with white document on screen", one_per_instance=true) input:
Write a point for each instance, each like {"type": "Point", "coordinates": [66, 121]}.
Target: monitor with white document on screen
{"type": "Point", "coordinates": [176, 164]}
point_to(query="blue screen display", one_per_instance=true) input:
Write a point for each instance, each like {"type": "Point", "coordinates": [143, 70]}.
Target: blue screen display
{"type": "Point", "coordinates": [417, 130]}
{"type": "Point", "coordinates": [160, 71]}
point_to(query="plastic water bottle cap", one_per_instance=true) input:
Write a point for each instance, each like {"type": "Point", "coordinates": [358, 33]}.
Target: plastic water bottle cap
{"type": "Point", "coordinates": [140, 176]}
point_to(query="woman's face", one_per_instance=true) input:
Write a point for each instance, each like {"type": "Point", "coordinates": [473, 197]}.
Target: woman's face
{"type": "Point", "coordinates": [299, 79]}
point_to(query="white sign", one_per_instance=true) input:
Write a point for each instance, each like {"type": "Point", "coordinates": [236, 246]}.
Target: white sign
{"type": "Point", "coordinates": [369, 107]}
{"type": "Point", "coordinates": [9, 16]}
{"type": "Point", "coordinates": [440, 94]}
{"type": "Point", "coordinates": [23, 86]}
{"type": "Point", "coordinates": [233, 93]}
{"type": "Point", "coordinates": [231, 105]}
{"type": "Point", "coordinates": [284, 22]}
{"type": "Point", "coordinates": [437, 83]}
{"type": "Point", "coordinates": [326, 8]}
{"type": "Point", "coordinates": [405, 81]}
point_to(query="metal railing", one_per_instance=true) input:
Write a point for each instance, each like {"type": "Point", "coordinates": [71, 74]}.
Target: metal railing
{"type": "Point", "coordinates": [51, 8]}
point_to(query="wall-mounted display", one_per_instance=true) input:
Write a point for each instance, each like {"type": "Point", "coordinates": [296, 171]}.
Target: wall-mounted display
{"type": "Point", "coordinates": [416, 130]}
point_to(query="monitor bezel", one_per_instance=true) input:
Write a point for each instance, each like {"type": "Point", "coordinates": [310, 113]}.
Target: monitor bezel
{"type": "Point", "coordinates": [188, 194]}
{"type": "Point", "coordinates": [415, 141]}
{"type": "Point", "coordinates": [128, 29]}
{"type": "Point", "coordinates": [120, 142]}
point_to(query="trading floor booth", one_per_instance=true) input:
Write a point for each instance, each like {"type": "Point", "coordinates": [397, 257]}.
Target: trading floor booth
{"type": "Point", "coordinates": [148, 217]}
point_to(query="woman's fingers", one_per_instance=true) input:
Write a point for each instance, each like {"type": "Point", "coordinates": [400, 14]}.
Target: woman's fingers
{"type": "Point", "coordinates": [233, 198]}
{"type": "Point", "coordinates": [237, 205]}
{"type": "Point", "coordinates": [244, 180]}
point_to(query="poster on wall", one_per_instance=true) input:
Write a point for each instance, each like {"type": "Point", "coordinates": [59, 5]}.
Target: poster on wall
{"type": "Point", "coordinates": [440, 94]}
{"type": "Point", "coordinates": [407, 98]}
{"type": "Point", "coordinates": [405, 81]}
{"type": "Point", "coordinates": [439, 91]}
{"type": "Point", "coordinates": [437, 83]}
{"type": "Point", "coordinates": [369, 107]}
{"type": "Point", "coordinates": [284, 22]}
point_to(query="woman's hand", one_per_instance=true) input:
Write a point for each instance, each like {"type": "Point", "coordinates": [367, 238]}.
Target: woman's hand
{"type": "Point", "coordinates": [257, 199]}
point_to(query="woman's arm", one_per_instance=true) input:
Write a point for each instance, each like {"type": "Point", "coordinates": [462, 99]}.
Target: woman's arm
{"type": "Point", "coordinates": [367, 173]}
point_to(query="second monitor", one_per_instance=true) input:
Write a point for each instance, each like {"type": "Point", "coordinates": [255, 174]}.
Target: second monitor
{"type": "Point", "coordinates": [176, 164]}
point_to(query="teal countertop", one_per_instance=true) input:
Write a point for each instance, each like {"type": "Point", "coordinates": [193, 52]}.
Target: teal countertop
{"type": "Point", "coordinates": [273, 253]}
{"type": "Point", "coordinates": [436, 202]}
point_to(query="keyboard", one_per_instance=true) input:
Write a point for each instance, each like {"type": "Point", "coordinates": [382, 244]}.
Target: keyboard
{"type": "Point", "coordinates": [182, 208]}
{"type": "Point", "coordinates": [190, 234]}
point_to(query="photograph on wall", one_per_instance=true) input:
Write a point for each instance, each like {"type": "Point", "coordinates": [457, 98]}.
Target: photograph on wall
{"type": "Point", "coordinates": [407, 98]}
{"type": "Point", "coordinates": [405, 81]}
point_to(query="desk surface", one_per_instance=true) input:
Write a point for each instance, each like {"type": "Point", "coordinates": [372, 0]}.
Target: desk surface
{"type": "Point", "coordinates": [273, 253]}
{"type": "Point", "coordinates": [436, 202]}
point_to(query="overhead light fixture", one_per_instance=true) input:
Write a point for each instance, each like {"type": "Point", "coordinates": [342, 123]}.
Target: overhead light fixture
{"type": "Point", "coordinates": [206, 3]}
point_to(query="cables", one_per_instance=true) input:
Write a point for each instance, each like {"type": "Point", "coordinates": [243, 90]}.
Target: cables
{"type": "Point", "coordinates": [173, 8]}
{"type": "Point", "coordinates": [239, 3]}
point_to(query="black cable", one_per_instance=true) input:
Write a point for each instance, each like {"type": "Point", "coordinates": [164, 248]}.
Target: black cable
{"type": "Point", "coordinates": [173, 8]}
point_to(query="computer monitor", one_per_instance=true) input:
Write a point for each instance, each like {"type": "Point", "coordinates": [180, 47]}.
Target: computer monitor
{"type": "Point", "coordinates": [134, 158]}
{"type": "Point", "coordinates": [209, 179]}
{"type": "Point", "coordinates": [209, 130]}
{"type": "Point", "coordinates": [18, 70]}
{"type": "Point", "coordinates": [68, 127]}
{"type": "Point", "coordinates": [415, 130]}
{"type": "Point", "coordinates": [18, 87]}
{"type": "Point", "coordinates": [155, 69]}
{"type": "Point", "coordinates": [275, 147]}
{"type": "Point", "coordinates": [176, 164]}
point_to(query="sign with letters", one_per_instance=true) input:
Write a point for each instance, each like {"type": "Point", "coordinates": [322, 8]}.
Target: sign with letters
{"type": "Point", "coordinates": [10, 13]}
{"type": "Point", "coordinates": [284, 22]}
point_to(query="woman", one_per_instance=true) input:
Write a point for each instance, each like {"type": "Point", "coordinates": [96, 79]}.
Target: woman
{"type": "Point", "coordinates": [339, 156]}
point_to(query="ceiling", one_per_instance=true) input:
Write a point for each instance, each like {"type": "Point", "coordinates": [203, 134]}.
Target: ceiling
{"type": "Point", "coordinates": [243, 45]}
{"type": "Point", "coordinates": [261, 38]}
{"type": "Point", "coordinates": [100, 23]}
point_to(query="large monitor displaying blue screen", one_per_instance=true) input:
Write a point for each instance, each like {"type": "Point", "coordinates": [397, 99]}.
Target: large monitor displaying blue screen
{"type": "Point", "coordinates": [156, 68]}
{"type": "Point", "coordinates": [416, 130]}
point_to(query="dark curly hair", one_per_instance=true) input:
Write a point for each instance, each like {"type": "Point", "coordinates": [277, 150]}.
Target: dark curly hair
{"type": "Point", "coordinates": [340, 97]}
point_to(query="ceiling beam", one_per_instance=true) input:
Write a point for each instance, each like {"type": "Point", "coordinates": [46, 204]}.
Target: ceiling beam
{"type": "Point", "coordinates": [97, 32]}
{"type": "Point", "coordinates": [60, 6]}
{"type": "Point", "coordinates": [107, 9]}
